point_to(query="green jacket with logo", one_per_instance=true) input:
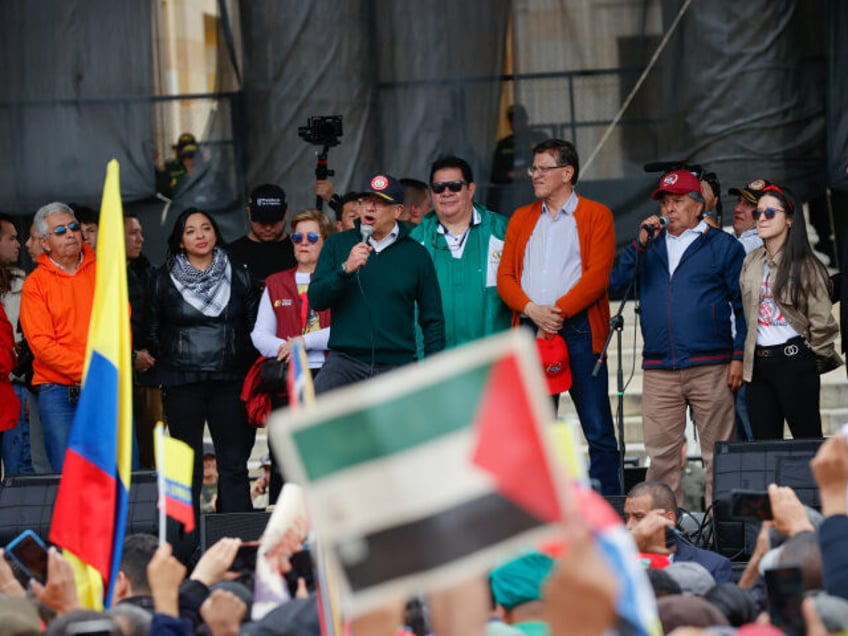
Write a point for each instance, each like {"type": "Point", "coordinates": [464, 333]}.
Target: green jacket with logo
{"type": "Point", "coordinates": [470, 301]}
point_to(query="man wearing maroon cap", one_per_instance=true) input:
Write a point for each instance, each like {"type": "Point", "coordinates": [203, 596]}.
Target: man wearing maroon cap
{"type": "Point", "coordinates": [688, 276]}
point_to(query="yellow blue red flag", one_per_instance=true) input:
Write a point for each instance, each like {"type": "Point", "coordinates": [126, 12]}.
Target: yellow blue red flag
{"type": "Point", "coordinates": [174, 465]}
{"type": "Point", "coordinates": [89, 517]}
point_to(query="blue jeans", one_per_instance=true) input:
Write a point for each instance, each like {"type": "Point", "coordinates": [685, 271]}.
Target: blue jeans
{"type": "Point", "coordinates": [591, 400]}
{"type": "Point", "coordinates": [743, 422]}
{"type": "Point", "coordinates": [16, 454]}
{"type": "Point", "coordinates": [56, 406]}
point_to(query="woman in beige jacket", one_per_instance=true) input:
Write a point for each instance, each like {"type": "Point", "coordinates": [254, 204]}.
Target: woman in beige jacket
{"type": "Point", "coordinates": [791, 329]}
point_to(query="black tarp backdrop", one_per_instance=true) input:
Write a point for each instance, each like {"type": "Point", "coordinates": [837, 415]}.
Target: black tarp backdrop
{"type": "Point", "coordinates": [75, 83]}
{"type": "Point", "coordinates": [748, 102]}
{"type": "Point", "coordinates": [398, 72]}
{"type": "Point", "coordinates": [837, 120]}
{"type": "Point", "coordinates": [413, 81]}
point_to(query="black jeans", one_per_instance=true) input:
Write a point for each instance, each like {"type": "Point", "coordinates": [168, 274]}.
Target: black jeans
{"type": "Point", "coordinates": [341, 370]}
{"type": "Point", "coordinates": [188, 407]}
{"type": "Point", "coordinates": [785, 385]}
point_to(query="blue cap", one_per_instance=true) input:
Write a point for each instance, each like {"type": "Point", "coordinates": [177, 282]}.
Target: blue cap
{"type": "Point", "coordinates": [387, 188]}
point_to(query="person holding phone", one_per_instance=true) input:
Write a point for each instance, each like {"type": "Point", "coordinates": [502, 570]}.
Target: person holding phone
{"type": "Point", "coordinates": [790, 340]}
{"type": "Point", "coordinates": [650, 513]}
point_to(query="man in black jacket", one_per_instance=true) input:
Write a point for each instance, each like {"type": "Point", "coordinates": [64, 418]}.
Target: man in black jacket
{"type": "Point", "coordinates": [147, 399]}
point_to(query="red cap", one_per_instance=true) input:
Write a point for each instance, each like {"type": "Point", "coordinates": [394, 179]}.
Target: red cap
{"type": "Point", "coordinates": [554, 356]}
{"type": "Point", "coordinates": [677, 182]}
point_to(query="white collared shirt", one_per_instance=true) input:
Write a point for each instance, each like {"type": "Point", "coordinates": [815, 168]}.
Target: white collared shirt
{"type": "Point", "coordinates": [384, 242]}
{"type": "Point", "coordinates": [456, 244]}
{"type": "Point", "coordinates": [676, 245]}
{"type": "Point", "coordinates": [552, 263]}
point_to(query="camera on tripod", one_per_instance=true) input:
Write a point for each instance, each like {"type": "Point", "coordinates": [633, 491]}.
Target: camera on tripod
{"type": "Point", "coordinates": [322, 130]}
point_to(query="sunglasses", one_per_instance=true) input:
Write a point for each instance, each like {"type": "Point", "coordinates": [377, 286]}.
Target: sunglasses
{"type": "Point", "coordinates": [767, 212]}
{"type": "Point", "coordinates": [60, 230]}
{"type": "Point", "coordinates": [312, 237]}
{"type": "Point", "coordinates": [453, 186]}
{"type": "Point", "coordinates": [776, 188]}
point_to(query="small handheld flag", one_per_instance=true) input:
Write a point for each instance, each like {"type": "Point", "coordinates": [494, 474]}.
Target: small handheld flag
{"type": "Point", "coordinates": [174, 466]}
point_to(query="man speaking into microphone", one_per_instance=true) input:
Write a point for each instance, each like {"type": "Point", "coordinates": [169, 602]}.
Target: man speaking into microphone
{"type": "Point", "coordinates": [370, 278]}
{"type": "Point", "coordinates": [688, 281]}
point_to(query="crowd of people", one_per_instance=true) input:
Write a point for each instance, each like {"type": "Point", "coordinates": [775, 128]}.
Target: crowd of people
{"type": "Point", "coordinates": [737, 328]}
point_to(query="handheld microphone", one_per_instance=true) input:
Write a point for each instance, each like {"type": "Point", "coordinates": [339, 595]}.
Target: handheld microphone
{"type": "Point", "coordinates": [652, 228]}
{"type": "Point", "coordinates": [365, 231]}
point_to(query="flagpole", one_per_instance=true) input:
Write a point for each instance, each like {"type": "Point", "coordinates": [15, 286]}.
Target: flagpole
{"type": "Point", "coordinates": [160, 478]}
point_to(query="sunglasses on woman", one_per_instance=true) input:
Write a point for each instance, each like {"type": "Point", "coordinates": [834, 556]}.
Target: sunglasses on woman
{"type": "Point", "coordinates": [767, 212]}
{"type": "Point", "coordinates": [312, 237]}
{"type": "Point", "coordinates": [453, 186]}
{"type": "Point", "coordinates": [60, 230]}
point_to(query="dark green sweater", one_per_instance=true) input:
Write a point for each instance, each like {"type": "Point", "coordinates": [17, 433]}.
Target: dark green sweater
{"type": "Point", "coordinates": [372, 311]}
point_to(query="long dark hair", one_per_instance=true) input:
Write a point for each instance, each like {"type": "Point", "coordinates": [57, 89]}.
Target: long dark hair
{"type": "Point", "coordinates": [176, 235]}
{"type": "Point", "coordinates": [801, 270]}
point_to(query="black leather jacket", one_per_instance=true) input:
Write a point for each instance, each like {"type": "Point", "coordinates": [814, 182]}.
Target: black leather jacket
{"type": "Point", "coordinates": [184, 340]}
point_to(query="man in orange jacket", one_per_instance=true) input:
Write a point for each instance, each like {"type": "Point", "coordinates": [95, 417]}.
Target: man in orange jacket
{"type": "Point", "coordinates": [55, 310]}
{"type": "Point", "coordinates": [554, 274]}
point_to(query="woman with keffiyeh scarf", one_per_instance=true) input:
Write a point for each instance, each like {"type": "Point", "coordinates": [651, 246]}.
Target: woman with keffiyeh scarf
{"type": "Point", "coordinates": [204, 309]}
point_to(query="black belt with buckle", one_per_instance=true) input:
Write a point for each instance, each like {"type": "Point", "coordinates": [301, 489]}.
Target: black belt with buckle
{"type": "Point", "coordinates": [788, 349]}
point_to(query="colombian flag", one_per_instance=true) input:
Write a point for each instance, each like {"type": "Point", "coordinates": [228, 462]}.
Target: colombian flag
{"type": "Point", "coordinates": [174, 465]}
{"type": "Point", "coordinates": [90, 513]}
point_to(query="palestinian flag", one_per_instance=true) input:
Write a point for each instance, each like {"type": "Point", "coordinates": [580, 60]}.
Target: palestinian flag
{"type": "Point", "coordinates": [429, 474]}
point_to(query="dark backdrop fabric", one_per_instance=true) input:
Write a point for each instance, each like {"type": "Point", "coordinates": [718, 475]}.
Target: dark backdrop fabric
{"type": "Point", "coordinates": [753, 89]}
{"type": "Point", "coordinates": [744, 91]}
{"type": "Point", "coordinates": [412, 80]}
{"type": "Point", "coordinates": [75, 80]}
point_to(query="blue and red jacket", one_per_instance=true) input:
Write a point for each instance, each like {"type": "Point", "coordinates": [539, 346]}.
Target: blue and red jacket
{"type": "Point", "coordinates": [686, 317]}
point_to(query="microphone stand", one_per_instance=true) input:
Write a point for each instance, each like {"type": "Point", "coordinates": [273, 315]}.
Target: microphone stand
{"type": "Point", "coordinates": [617, 327]}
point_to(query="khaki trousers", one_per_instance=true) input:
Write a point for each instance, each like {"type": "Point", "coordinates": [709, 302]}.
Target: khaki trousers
{"type": "Point", "coordinates": [665, 395]}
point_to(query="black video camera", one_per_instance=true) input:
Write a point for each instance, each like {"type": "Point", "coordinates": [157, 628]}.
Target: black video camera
{"type": "Point", "coordinates": [322, 131]}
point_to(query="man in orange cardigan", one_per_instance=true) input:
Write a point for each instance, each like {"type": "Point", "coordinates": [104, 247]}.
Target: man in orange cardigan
{"type": "Point", "coordinates": [554, 273]}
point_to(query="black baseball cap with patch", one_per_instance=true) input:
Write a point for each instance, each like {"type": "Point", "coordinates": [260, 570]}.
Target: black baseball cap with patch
{"type": "Point", "coordinates": [385, 187]}
{"type": "Point", "coordinates": [751, 192]}
{"type": "Point", "coordinates": [267, 203]}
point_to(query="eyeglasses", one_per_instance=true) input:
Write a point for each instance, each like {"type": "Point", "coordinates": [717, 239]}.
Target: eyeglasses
{"type": "Point", "coordinates": [312, 237]}
{"type": "Point", "coordinates": [532, 170]}
{"type": "Point", "coordinates": [375, 200]}
{"type": "Point", "coordinates": [453, 186]}
{"type": "Point", "coordinates": [783, 196]}
{"type": "Point", "coordinates": [767, 212]}
{"type": "Point", "coordinates": [60, 230]}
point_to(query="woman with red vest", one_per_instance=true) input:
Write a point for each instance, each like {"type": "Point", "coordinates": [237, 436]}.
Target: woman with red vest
{"type": "Point", "coordinates": [284, 312]}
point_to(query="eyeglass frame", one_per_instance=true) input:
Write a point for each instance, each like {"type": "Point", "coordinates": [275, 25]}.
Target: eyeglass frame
{"type": "Point", "coordinates": [61, 230]}
{"type": "Point", "coordinates": [311, 237]}
{"type": "Point", "coordinates": [532, 170]}
{"type": "Point", "coordinates": [454, 186]}
{"type": "Point", "coordinates": [769, 213]}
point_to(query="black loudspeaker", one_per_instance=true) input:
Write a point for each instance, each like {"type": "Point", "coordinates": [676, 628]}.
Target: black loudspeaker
{"type": "Point", "coordinates": [753, 466]}
{"type": "Point", "coordinates": [634, 475]}
{"type": "Point", "coordinates": [247, 526]}
{"type": "Point", "coordinates": [617, 502]}
{"type": "Point", "coordinates": [26, 502]}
